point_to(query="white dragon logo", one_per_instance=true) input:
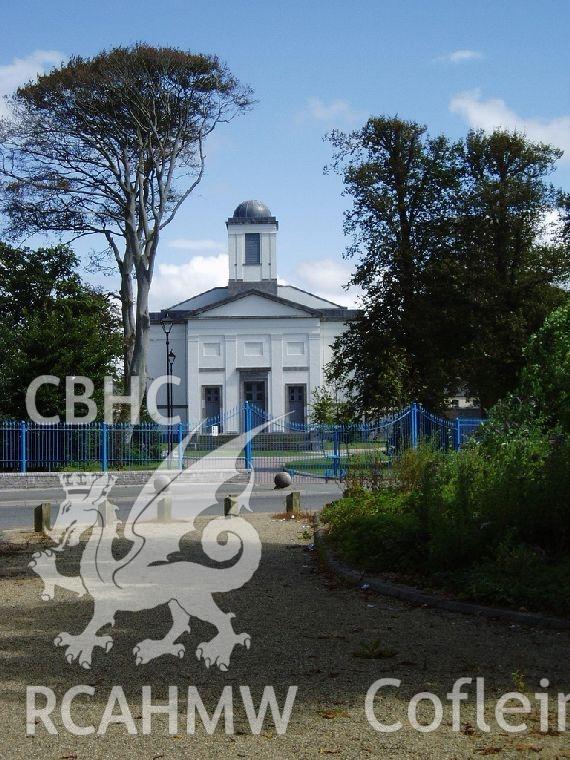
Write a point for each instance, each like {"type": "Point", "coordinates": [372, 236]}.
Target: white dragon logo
{"type": "Point", "coordinates": [147, 576]}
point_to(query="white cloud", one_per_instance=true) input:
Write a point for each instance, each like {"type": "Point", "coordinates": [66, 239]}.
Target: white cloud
{"type": "Point", "coordinates": [21, 70]}
{"type": "Point", "coordinates": [494, 112]}
{"type": "Point", "coordinates": [173, 283]}
{"type": "Point", "coordinates": [459, 56]}
{"type": "Point", "coordinates": [325, 278]}
{"type": "Point", "coordinates": [335, 111]}
{"type": "Point", "coordinates": [188, 244]}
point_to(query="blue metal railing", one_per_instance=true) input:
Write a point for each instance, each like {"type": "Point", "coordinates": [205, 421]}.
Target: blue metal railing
{"type": "Point", "coordinates": [27, 446]}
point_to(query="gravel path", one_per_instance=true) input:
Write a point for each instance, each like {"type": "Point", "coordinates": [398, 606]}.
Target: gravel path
{"type": "Point", "coordinates": [306, 628]}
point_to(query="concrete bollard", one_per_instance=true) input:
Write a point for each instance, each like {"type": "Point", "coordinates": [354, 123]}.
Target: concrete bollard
{"type": "Point", "coordinates": [293, 502]}
{"type": "Point", "coordinates": [109, 512]}
{"type": "Point", "coordinates": [42, 517]}
{"type": "Point", "coordinates": [231, 506]}
{"type": "Point", "coordinates": [164, 509]}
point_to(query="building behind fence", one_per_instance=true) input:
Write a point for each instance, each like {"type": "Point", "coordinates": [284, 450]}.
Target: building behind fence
{"type": "Point", "coordinates": [305, 450]}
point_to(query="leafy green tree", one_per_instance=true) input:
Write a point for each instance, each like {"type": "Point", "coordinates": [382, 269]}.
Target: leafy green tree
{"type": "Point", "coordinates": [53, 324]}
{"type": "Point", "coordinates": [112, 146]}
{"type": "Point", "coordinates": [545, 382]}
{"type": "Point", "coordinates": [404, 190]}
{"type": "Point", "coordinates": [328, 408]}
{"type": "Point", "coordinates": [513, 255]}
{"type": "Point", "coordinates": [456, 257]}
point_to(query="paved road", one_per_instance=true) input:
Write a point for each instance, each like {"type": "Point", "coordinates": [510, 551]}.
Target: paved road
{"type": "Point", "coordinates": [16, 505]}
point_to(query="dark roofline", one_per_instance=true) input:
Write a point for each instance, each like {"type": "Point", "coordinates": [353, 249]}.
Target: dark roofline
{"type": "Point", "coordinates": [308, 293]}
{"type": "Point", "coordinates": [203, 293]}
{"type": "Point", "coordinates": [339, 315]}
{"type": "Point", "coordinates": [258, 292]}
{"type": "Point", "coordinates": [328, 315]}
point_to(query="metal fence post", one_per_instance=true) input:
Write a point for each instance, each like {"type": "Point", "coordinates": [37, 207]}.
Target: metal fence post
{"type": "Point", "coordinates": [248, 451]}
{"type": "Point", "coordinates": [336, 452]}
{"type": "Point", "coordinates": [414, 424]}
{"type": "Point", "coordinates": [104, 447]}
{"type": "Point", "coordinates": [180, 452]}
{"type": "Point", "coordinates": [23, 446]}
{"type": "Point", "coordinates": [457, 433]}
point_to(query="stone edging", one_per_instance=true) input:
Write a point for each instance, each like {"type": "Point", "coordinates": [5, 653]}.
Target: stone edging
{"type": "Point", "coordinates": [422, 598]}
{"type": "Point", "coordinates": [14, 480]}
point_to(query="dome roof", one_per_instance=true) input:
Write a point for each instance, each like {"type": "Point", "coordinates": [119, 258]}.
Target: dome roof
{"type": "Point", "coordinates": [252, 210]}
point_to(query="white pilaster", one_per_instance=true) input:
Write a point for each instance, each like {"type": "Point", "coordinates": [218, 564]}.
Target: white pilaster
{"type": "Point", "coordinates": [276, 405]}
{"type": "Point", "coordinates": [193, 375]}
{"type": "Point", "coordinates": [315, 370]}
{"type": "Point", "coordinates": [231, 377]}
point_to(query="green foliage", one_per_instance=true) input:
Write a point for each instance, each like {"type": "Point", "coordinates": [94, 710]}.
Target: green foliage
{"type": "Point", "coordinates": [492, 521]}
{"type": "Point", "coordinates": [375, 531]}
{"type": "Point", "coordinates": [53, 325]}
{"type": "Point", "coordinates": [112, 145]}
{"type": "Point", "coordinates": [546, 376]}
{"type": "Point", "coordinates": [328, 409]}
{"type": "Point", "coordinates": [520, 576]}
{"type": "Point", "coordinates": [449, 242]}
{"type": "Point", "coordinates": [404, 186]}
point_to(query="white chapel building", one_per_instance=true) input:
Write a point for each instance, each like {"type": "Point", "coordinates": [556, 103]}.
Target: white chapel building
{"type": "Point", "coordinates": [252, 340]}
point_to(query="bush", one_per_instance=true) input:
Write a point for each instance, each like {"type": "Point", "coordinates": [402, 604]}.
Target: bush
{"type": "Point", "coordinates": [375, 531]}
{"type": "Point", "coordinates": [546, 376]}
{"type": "Point", "coordinates": [492, 520]}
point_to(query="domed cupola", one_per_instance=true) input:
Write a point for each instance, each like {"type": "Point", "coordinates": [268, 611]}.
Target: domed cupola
{"type": "Point", "coordinates": [252, 245]}
{"type": "Point", "coordinates": [252, 211]}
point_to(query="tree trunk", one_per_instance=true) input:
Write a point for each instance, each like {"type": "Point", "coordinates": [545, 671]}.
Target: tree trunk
{"type": "Point", "coordinates": [138, 374]}
{"type": "Point", "coordinates": [128, 320]}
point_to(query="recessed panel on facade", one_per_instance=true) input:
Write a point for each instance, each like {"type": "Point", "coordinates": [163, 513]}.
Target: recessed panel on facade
{"type": "Point", "coordinates": [253, 348]}
{"type": "Point", "coordinates": [211, 349]}
{"type": "Point", "coordinates": [295, 348]}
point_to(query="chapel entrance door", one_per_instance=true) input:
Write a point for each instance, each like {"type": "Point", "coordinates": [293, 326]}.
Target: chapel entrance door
{"type": "Point", "coordinates": [296, 404]}
{"type": "Point", "coordinates": [254, 391]}
{"type": "Point", "coordinates": [212, 401]}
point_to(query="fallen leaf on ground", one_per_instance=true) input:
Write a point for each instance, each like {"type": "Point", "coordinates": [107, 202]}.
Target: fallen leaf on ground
{"type": "Point", "coordinates": [332, 714]}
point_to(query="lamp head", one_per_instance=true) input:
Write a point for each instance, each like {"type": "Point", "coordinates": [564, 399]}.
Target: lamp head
{"type": "Point", "coordinates": [166, 323]}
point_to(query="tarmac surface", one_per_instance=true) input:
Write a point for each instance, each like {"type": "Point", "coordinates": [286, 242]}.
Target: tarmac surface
{"type": "Point", "coordinates": [17, 505]}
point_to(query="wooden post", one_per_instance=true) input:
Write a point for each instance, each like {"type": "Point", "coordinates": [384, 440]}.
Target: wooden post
{"type": "Point", "coordinates": [164, 509]}
{"type": "Point", "coordinates": [231, 506]}
{"type": "Point", "coordinates": [293, 502]}
{"type": "Point", "coordinates": [42, 517]}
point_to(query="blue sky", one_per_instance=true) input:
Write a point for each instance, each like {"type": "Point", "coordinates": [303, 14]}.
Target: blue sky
{"type": "Point", "coordinates": [315, 66]}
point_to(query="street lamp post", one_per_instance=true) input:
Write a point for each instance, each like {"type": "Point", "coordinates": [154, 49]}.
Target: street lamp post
{"type": "Point", "coordinates": [167, 323]}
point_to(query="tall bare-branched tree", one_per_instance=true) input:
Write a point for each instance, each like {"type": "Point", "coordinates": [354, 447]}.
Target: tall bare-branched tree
{"type": "Point", "coordinates": [113, 145]}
